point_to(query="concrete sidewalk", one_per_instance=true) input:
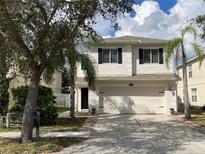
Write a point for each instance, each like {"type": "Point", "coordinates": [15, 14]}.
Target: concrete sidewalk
{"type": "Point", "coordinates": [50, 134]}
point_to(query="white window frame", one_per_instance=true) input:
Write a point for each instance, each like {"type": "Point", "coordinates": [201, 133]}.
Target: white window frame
{"type": "Point", "coordinates": [110, 54]}
{"type": "Point", "coordinates": [151, 49]}
{"type": "Point", "coordinates": [194, 94]}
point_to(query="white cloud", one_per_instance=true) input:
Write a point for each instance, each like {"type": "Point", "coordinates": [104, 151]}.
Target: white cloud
{"type": "Point", "coordinates": [103, 27]}
{"type": "Point", "coordinates": [151, 21]}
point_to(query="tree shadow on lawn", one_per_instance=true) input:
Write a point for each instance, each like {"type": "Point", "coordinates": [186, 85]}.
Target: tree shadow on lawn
{"type": "Point", "coordinates": [125, 135]}
{"type": "Point", "coordinates": [45, 145]}
{"type": "Point", "coordinates": [65, 124]}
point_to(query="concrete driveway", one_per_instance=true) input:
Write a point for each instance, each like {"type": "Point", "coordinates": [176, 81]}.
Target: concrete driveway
{"type": "Point", "coordinates": [134, 134]}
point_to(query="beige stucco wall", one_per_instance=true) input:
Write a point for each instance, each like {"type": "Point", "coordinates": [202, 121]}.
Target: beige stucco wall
{"type": "Point", "coordinates": [130, 62]}
{"type": "Point", "coordinates": [149, 68]}
{"type": "Point", "coordinates": [196, 81]}
{"type": "Point", "coordinates": [56, 84]}
{"type": "Point", "coordinates": [97, 98]}
{"type": "Point", "coordinates": [111, 69]}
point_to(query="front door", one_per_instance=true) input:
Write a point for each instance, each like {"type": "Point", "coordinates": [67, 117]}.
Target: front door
{"type": "Point", "coordinates": [84, 98]}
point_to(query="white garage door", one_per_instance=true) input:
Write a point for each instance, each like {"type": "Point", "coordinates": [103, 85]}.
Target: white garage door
{"type": "Point", "coordinates": [133, 100]}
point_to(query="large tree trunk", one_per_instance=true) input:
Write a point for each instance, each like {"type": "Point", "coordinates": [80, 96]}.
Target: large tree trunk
{"type": "Point", "coordinates": [72, 93]}
{"type": "Point", "coordinates": [185, 87]}
{"type": "Point", "coordinates": [4, 96]}
{"type": "Point", "coordinates": [31, 104]}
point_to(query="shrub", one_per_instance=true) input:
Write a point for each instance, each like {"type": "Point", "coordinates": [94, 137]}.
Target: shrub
{"type": "Point", "coordinates": [45, 103]}
{"type": "Point", "coordinates": [193, 109]}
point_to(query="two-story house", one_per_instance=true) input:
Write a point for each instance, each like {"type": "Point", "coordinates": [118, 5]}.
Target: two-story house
{"type": "Point", "coordinates": [132, 78]}
{"type": "Point", "coordinates": [196, 82]}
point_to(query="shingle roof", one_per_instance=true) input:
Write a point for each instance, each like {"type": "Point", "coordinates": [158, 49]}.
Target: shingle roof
{"type": "Point", "coordinates": [133, 39]}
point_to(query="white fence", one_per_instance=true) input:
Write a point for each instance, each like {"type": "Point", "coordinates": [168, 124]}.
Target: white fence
{"type": "Point", "coordinates": [63, 100]}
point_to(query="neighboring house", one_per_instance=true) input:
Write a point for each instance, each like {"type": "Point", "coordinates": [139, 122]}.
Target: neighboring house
{"type": "Point", "coordinates": [196, 82]}
{"type": "Point", "coordinates": [132, 78]}
{"type": "Point", "coordinates": [56, 84]}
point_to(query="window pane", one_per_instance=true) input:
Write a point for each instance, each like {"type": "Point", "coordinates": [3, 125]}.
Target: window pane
{"type": "Point", "coordinates": [193, 99]}
{"type": "Point", "coordinates": [155, 56]}
{"type": "Point", "coordinates": [113, 55]}
{"type": "Point", "coordinates": [194, 94]}
{"type": "Point", "coordinates": [146, 55]}
{"type": "Point", "coordinates": [105, 55]}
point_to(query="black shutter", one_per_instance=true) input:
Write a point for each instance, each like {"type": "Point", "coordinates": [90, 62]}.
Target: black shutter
{"type": "Point", "coordinates": [161, 57]}
{"type": "Point", "coordinates": [100, 56]}
{"type": "Point", "coordinates": [141, 56]}
{"type": "Point", "coordinates": [119, 55]}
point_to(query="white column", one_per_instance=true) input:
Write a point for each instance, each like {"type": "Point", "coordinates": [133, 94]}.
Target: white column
{"type": "Point", "coordinates": [170, 98]}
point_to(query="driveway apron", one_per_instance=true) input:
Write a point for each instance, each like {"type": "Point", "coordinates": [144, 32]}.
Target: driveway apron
{"type": "Point", "coordinates": [133, 134]}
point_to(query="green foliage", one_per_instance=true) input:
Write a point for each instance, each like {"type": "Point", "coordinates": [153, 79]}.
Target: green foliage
{"type": "Point", "coordinates": [188, 29]}
{"type": "Point", "coordinates": [46, 102]}
{"type": "Point", "coordinates": [196, 110]}
{"type": "Point", "coordinates": [89, 69]}
{"type": "Point", "coordinates": [176, 45]}
{"type": "Point", "coordinates": [65, 81]}
{"type": "Point", "coordinates": [45, 145]}
{"type": "Point", "coordinates": [200, 21]}
{"type": "Point", "coordinates": [6, 63]}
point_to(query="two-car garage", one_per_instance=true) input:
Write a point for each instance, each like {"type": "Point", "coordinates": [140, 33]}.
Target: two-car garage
{"type": "Point", "coordinates": [133, 100]}
{"type": "Point", "coordinates": [145, 94]}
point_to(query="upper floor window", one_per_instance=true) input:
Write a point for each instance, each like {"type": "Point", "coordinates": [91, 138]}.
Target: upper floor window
{"type": "Point", "coordinates": [110, 55]}
{"type": "Point", "coordinates": [151, 56]}
{"type": "Point", "coordinates": [190, 71]}
{"type": "Point", "coordinates": [194, 94]}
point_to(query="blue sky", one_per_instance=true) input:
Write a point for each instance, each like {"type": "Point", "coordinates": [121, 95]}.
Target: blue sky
{"type": "Point", "coordinates": [165, 5]}
{"type": "Point", "coordinates": [155, 19]}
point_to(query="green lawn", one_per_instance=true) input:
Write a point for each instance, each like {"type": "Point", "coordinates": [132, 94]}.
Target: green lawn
{"type": "Point", "coordinates": [62, 109]}
{"type": "Point", "coordinates": [45, 145]}
{"type": "Point", "coordinates": [65, 124]}
{"type": "Point", "coordinates": [198, 115]}
{"type": "Point", "coordinates": [62, 124]}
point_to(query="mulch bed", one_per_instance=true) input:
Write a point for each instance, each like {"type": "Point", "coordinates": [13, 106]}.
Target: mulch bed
{"type": "Point", "coordinates": [190, 123]}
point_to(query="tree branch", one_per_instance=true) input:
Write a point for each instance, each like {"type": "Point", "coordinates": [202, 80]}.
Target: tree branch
{"type": "Point", "coordinates": [14, 34]}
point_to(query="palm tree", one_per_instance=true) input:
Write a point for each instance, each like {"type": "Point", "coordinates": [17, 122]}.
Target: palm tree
{"type": "Point", "coordinates": [75, 57]}
{"type": "Point", "coordinates": [177, 46]}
